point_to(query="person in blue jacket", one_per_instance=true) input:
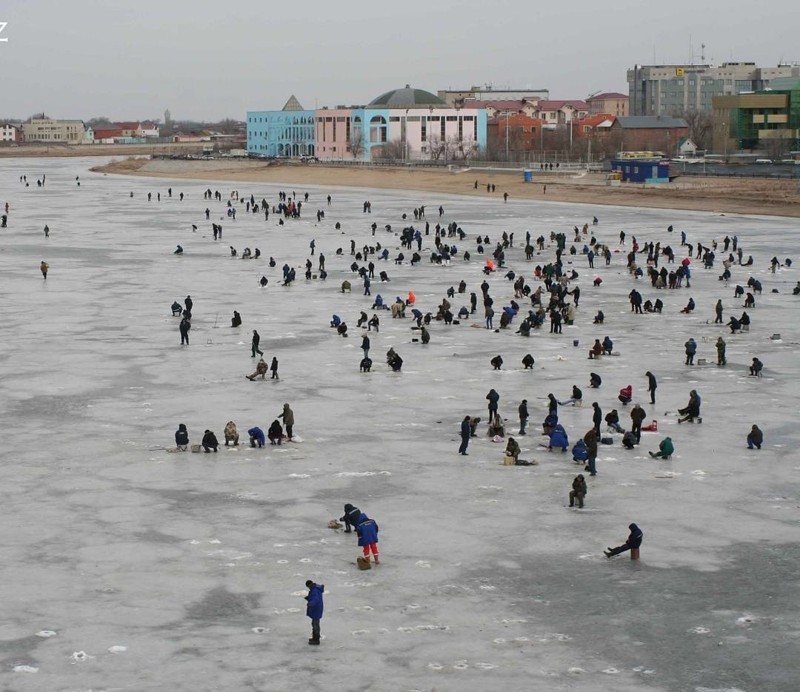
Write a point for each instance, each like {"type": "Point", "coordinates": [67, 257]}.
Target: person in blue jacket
{"type": "Point", "coordinates": [579, 452]}
{"type": "Point", "coordinates": [335, 321]}
{"type": "Point", "coordinates": [314, 609]}
{"type": "Point", "coordinates": [558, 438]}
{"type": "Point", "coordinates": [634, 541]}
{"type": "Point", "coordinates": [367, 530]}
{"type": "Point", "coordinates": [256, 437]}
{"type": "Point", "coordinates": [549, 423]}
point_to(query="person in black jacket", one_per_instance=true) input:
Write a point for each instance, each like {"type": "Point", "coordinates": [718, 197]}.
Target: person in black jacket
{"type": "Point", "coordinates": [652, 385]}
{"type": "Point", "coordinates": [184, 328]}
{"type": "Point", "coordinates": [755, 438]}
{"type": "Point", "coordinates": [597, 417]}
{"type": "Point", "coordinates": [523, 417]}
{"type": "Point", "coordinates": [466, 433]}
{"type": "Point", "coordinates": [210, 441]}
{"type": "Point", "coordinates": [634, 541]}
{"type": "Point", "coordinates": [350, 517]}
{"type": "Point", "coordinates": [182, 437]}
{"type": "Point", "coordinates": [493, 398]}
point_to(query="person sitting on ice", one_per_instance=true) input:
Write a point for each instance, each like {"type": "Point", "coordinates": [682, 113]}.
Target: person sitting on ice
{"type": "Point", "coordinates": [182, 438]}
{"type": "Point", "coordinates": [558, 438]}
{"type": "Point", "coordinates": [275, 433]}
{"type": "Point", "coordinates": [496, 427]}
{"type": "Point", "coordinates": [549, 423]}
{"type": "Point", "coordinates": [177, 309]}
{"type": "Point", "coordinates": [629, 440]}
{"type": "Point", "coordinates": [608, 346]}
{"type": "Point", "coordinates": [335, 321]}
{"type": "Point", "coordinates": [378, 304]}
{"type": "Point", "coordinates": [599, 318]}
{"type": "Point", "coordinates": [692, 409]}
{"type": "Point", "coordinates": [689, 306]}
{"type": "Point", "coordinates": [512, 449]}
{"type": "Point", "coordinates": [178, 250]}
{"type": "Point", "coordinates": [756, 367]}
{"type": "Point", "coordinates": [594, 380]}
{"type": "Point", "coordinates": [580, 453]}
{"type": "Point", "coordinates": [261, 369]}
{"type": "Point", "coordinates": [665, 449]}
{"type": "Point", "coordinates": [625, 395]}
{"type": "Point", "coordinates": [612, 420]}
{"type": "Point", "coordinates": [256, 436]}
{"type": "Point", "coordinates": [210, 441]}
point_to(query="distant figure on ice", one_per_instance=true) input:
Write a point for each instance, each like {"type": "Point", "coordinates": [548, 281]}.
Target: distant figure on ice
{"type": "Point", "coordinates": [350, 517]}
{"type": "Point", "coordinates": [210, 441]}
{"type": "Point", "coordinates": [578, 491]}
{"type": "Point", "coordinates": [182, 438]}
{"type": "Point", "coordinates": [755, 438]}
{"type": "Point", "coordinates": [44, 267]}
{"type": "Point", "coordinates": [665, 449]}
{"type": "Point", "coordinates": [634, 541]}
{"type": "Point", "coordinates": [261, 369]}
{"type": "Point", "coordinates": [231, 434]}
{"type": "Point", "coordinates": [315, 606]}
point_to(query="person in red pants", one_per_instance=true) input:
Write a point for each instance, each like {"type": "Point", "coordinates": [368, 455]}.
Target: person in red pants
{"type": "Point", "coordinates": [367, 530]}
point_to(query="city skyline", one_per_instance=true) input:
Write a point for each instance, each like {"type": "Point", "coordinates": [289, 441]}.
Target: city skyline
{"type": "Point", "coordinates": [83, 60]}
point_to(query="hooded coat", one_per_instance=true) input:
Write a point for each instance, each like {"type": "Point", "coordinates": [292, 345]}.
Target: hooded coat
{"type": "Point", "coordinates": [287, 415]}
{"type": "Point", "coordinates": [579, 451]}
{"type": "Point", "coordinates": [367, 530]}
{"type": "Point", "coordinates": [315, 606]}
{"type": "Point", "coordinates": [351, 514]}
{"type": "Point", "coordinates": [635, 536]}
{"type": "Point", "coordinates": [181, 435]}
{"type": "Point", "coordinates": [558, 437]}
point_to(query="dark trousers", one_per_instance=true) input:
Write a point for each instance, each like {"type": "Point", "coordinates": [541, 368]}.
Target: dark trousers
{"type": "Point", "coordinates": [464, 443]}
{"type": "Point", "coordinates": [315, 630]}
{"type": "Point", "coordinates": [620, 549]}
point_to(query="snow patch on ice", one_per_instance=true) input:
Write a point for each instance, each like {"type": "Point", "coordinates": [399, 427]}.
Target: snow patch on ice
{"type": "Point", "coordinates": [25, 669]}
{"type": "Point", "coordinates": [44, 634]}
{"type": "Point", "coordinates": [117, 649]}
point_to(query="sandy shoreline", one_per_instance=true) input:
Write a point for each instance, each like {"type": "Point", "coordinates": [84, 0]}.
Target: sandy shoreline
{"type": "Point", "coordinates": [721, 195]}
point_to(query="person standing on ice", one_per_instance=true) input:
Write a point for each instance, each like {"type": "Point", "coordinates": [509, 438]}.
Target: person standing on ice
{"type": "Point", "coordinates": [691, 349]}
{"type": "Point", "coordinates": [288, 420]}
{"type": "Point", "coordinates": [44, 267]}
{"type": "Point", "coordinates": [494, 399]}
{"type": "Point", "coordinates": [315, 606]}
{"type": "Point", "coordinates": [367, 530]}
{"type": "Point", "coordinates": [466, 433]}
{"type": "Point", "coordinates": [652, 385]}
{"type": "Point", "coordinates": [184, 328]}
{"type": "Point", "coordinates": [256, 340]}
{"type": "Point", "coordinates": [721, 348]}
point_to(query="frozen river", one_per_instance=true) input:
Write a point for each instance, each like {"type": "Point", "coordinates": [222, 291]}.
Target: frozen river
{"type": "Point", "coordinates": [126, 567]}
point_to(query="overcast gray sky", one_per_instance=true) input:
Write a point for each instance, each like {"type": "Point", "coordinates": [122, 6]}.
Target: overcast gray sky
{"type": "Point", "coordinates": [207, 59]}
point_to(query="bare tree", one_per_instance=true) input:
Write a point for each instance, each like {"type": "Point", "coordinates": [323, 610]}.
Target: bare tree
{"type": "Point", "coordinates": [435, 147]}
{"type": "Point", "coordinates": [701, 127]}
{"type": "Point", "coordinates": [393, 150]}
{"type": "Point", "coordinates": [357, 143]}
{"type": "Point", "coordinates": [464, 149]}
{"type": "Point", "coordinates": [777, 147]}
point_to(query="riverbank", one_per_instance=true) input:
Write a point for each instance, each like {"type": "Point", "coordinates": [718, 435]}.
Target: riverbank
{"type": "Point", "coordinates": [721, 195]}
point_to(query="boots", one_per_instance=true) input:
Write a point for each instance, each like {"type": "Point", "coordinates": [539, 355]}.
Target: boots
{"type": "Point", "coordinates": [314, 642]}
{"type": "Point", "coordinates": [377, 561]}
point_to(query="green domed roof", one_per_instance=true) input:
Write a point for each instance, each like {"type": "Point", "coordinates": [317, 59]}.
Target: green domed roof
{"type": "Point", "coordinates": [407, 98]}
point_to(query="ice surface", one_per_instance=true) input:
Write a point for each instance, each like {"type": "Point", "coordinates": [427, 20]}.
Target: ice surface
{"type": "Point", "coordinates": [196, 561]}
